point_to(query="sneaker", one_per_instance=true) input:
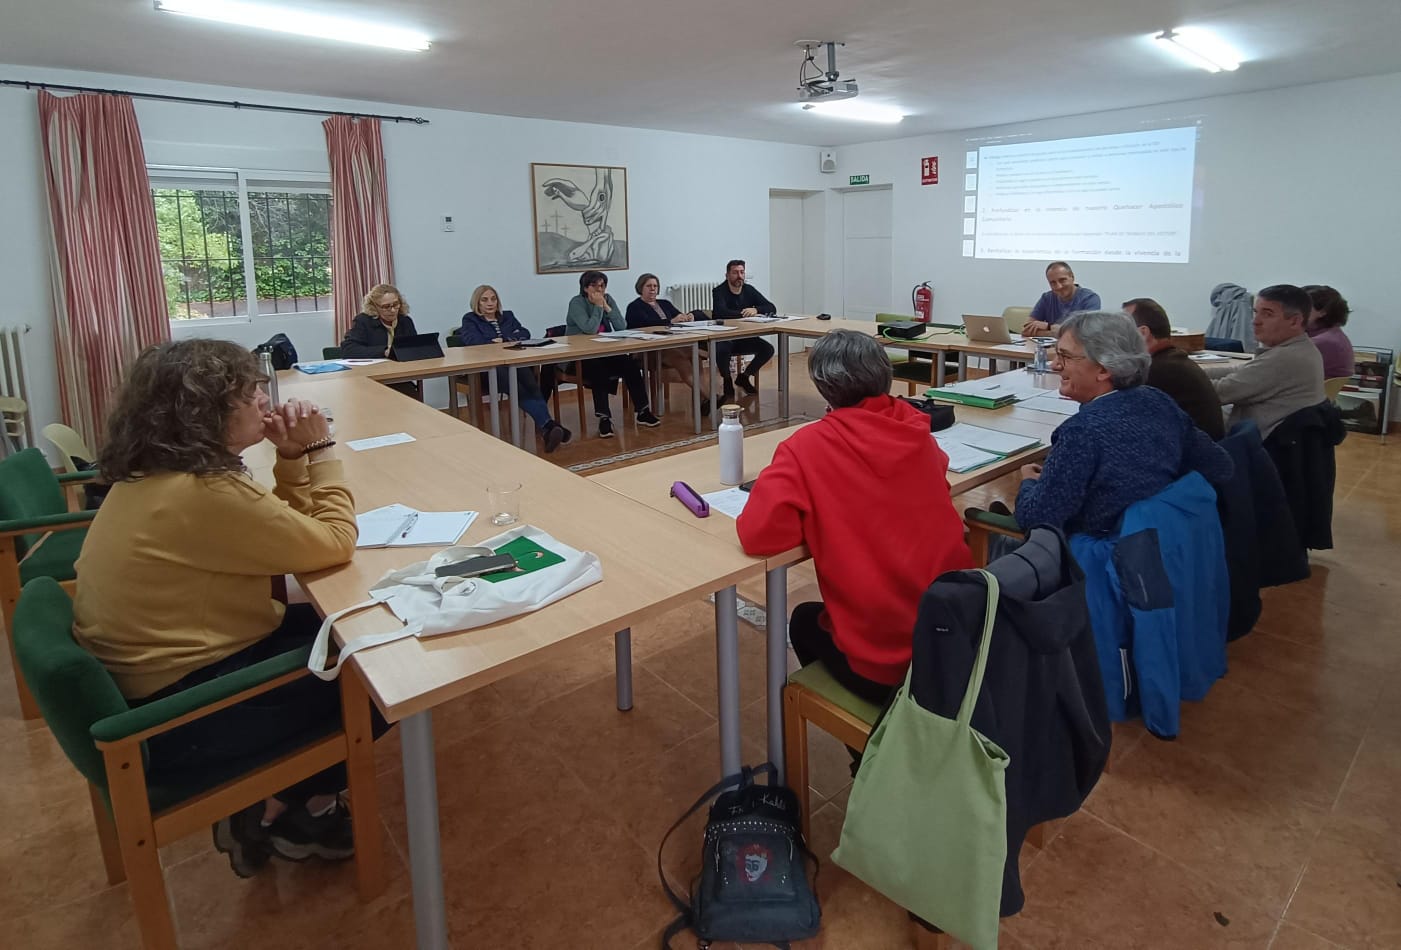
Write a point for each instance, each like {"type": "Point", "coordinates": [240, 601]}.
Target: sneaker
{"type": "Point", "coordinates": [297, 835]}
{"type": "Point", "coordinates": [553, 436]}
{"type": "Point", "coordinates": [645, 418]}
{"type": "Point", "coordinates": [244, 839]}
{"type": "Point", "coordinates": [746, 383]}
{"type": "Point", "coordinates": [605, 427]}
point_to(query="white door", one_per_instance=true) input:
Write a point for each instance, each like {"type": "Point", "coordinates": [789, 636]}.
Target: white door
{"type": "Point", "coordinates": [786, 253]}
{"type": "Point", "coordinates": [867, 271]}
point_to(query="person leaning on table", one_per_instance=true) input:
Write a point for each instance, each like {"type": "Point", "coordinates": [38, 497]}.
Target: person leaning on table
{"type": "Point", "coordinates": [594, 310]}
{"type": "Point", "coordinates": [384, 315]}
{"type": "Point", "coordinates": [487, 323]}
{"type": "Point", "coordinates": [177, 571]}
{"type": "Point", "coordinates": [817, 490]}
{"type": "Point", "coordinates": [649, 310]}
{"type": "Point", "coordinates": [1128, 441]}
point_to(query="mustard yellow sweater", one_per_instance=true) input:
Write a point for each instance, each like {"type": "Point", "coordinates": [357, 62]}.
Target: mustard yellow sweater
{"type": "Point", "coordinates": [174, 574]}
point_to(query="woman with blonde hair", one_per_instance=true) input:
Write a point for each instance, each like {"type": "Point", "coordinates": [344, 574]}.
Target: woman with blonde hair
{"type": "Point", "coordinates": [384, 315]}
{"type": "Point", "coordinates": [487, 323]}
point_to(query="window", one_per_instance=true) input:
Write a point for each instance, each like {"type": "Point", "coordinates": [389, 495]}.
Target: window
{"type": "Point", "coordinates": [242, 245]}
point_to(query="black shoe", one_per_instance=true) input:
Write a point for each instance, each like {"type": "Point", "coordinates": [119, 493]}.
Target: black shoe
{"type": "Point", "coordinates": [244, 839]}
{"type": "Point", "coordinates": [746, 382]}
{"type": "Point", "coordinates": [605, 427]}
{"type": "Point", "coordinates": [645, 418]}
{"type": "Point", "coordinates": [553, 436]}
{"type": "Point", "coordinates": [297, 835]}
{"type": "Point", "coordinates": [999, 508]}
{"type": "Point", "coordinates": [728, 396]}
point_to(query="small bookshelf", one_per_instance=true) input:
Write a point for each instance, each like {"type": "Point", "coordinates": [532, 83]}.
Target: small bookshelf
{"type": "Point", "coordinates": [1365, 399]}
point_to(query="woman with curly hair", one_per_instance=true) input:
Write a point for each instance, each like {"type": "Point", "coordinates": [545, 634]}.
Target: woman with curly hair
{"type": "Point", "coordinates": [176, 575]}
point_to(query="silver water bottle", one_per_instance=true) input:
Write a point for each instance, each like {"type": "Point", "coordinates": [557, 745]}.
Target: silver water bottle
{"type": "Point", "coordinates": [731, 433]}
{"type": "Point", "coordinates": [265, 367]}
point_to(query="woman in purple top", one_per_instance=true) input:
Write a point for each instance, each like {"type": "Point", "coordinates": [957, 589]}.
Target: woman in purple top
{"type": "Point", "coordinates": [1330, 312]}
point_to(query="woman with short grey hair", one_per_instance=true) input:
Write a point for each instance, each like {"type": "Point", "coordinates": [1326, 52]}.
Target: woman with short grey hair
{"type": "Point", "coordinates": [1112, 340]}
{"type": "Point", "coordinates": [817, 492]}
{"type": "Point", "coordinates": [1128, 441]}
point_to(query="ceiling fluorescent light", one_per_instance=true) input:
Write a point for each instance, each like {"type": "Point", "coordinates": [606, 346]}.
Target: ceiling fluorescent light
{"type": "Point", "coordinates": [857, 110]}
{"type": "Point", "coordinates": [287, 20]}
{"type": "Point", "coordinates": [1201, 49]}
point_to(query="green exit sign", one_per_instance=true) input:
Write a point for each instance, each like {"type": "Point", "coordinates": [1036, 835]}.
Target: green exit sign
{"type": "Point", "coordinates": [859, 180]}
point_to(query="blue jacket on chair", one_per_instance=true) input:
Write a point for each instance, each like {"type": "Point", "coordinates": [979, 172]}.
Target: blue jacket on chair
{"type": "Point", "coordinates": [1159, 597]}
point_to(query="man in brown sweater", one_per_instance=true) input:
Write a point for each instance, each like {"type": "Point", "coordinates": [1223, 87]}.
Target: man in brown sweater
{"type": "Point", "coordinates": [1173, 371]}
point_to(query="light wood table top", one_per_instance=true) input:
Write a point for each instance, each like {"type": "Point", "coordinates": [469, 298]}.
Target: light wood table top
{"type": "Point", "coordinates": [651, 564]}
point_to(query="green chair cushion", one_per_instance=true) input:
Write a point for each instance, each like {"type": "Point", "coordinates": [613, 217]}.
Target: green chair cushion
{"type": "Point", "coordinates": [817, 678]}
{"type": "Point", "coordinates": [331, 353]}
{"type": "Point", "coordinates": [55, 557]}
{"type": "Point", "coordinates": [28, 489]}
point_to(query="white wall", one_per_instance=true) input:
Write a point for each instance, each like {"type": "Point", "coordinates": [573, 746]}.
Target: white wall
{"type": "Point", "coordinates": [1301, 186]}
{"type": "Point", "coordinates": [694, 202]}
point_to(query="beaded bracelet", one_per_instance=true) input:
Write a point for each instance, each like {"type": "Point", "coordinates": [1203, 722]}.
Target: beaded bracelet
{"type": "Point", "coordinates": [317, 445]}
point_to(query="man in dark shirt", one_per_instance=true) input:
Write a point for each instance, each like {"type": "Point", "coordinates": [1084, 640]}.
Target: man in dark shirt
{"type": "Point", "coordinates": [735, 298]}
{"type": "Point", "coordinates": [1173, 371]}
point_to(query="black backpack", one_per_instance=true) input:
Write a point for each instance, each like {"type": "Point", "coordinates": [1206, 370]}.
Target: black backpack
{"type": "Point", "coordinates": [940, 413]}
{"type": "Point", "coordinates": [753, 885]}
{"type": "Point", "coordinates": [284, 354]}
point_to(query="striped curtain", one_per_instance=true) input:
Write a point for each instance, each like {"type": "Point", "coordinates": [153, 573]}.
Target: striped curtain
{"type": "Point", "coordinates": [362, 254]}
{"type": "Point", "coordinates": [109, 295]}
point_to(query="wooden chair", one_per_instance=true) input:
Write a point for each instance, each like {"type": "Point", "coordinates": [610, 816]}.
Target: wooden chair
{"type": "Point", "coordinates": [982, 525]}
{"type": "Point", "coordinates": [103, 737]}
{"type": "Point", "coordinates": [39, 537]}
{"type": "Point", "coordinates": [573, 373]}
{"type": "Point", "coordinates": [1331, 387]}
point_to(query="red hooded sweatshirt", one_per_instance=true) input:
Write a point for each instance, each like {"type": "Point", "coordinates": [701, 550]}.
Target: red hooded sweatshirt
{"type": "Point", "coordinates": [867, 489]}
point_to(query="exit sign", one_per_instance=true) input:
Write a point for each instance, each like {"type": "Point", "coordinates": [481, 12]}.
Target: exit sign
{"type": "Point", "coordinates": [859, 180]}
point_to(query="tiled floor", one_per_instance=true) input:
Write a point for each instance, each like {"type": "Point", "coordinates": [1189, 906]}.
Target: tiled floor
{"type": "Point", "coordinates": [1274, 821]}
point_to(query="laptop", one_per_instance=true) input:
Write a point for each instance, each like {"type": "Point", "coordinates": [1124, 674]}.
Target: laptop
{"type": "Point", "coordinates": [419, 346]}
{"type": "Point", "coordinates": [991, 330]}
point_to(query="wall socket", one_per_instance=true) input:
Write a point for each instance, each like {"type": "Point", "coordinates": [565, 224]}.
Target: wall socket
{"type": "Point", "coordinates": [447, 223]}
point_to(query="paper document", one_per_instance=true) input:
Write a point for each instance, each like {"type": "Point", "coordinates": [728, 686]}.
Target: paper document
{"type": "Point", "coordinates": [1208, 357]}
{"type": "Point", "coordinates": [709, 327]}
{"type": "Point", "coordinates": [399, 526]}
{"type": "Point", "coordinates": [380, 441]}
{"type": "Point", "coordinates": [729, 501]}
{"type": "Point", "coordinates": [989, 440]}
{"type": "Point", "coordinates": [1052, 402]}
{"type": "Point", "coordinates": [366, 362]}
{"type": "Point", "coordinates": [963, 458]}
{"type": "Point", "coordinates": [321, 366]}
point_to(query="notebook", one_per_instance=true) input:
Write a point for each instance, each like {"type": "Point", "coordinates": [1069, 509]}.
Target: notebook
{"type": "Point", "coordinates": [417, 346]}
{"type": "Point", "coordinates": [399, 526]}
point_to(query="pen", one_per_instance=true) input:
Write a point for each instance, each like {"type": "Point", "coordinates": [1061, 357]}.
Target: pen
{"type": "Point", "coordinates": [403, 530]}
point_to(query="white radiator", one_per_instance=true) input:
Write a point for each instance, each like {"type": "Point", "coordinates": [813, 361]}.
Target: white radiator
{"type": "Point", "coordinates": [18, 426]}
{"type": "Point", "coordinates": [688, 297]}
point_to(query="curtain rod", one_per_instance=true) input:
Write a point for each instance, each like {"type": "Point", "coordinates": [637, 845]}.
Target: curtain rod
{"type": "Point", "coordinates": [230, 103]}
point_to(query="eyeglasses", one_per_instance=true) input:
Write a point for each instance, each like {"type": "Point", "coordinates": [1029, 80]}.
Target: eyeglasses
{"type": "Point", "coordinates": [1065, 357]}
{"type": "Point", "coordinates": [389, 306]}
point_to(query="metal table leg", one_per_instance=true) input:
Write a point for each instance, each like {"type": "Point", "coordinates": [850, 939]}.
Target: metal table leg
{"type": "Point", "coordinates": [940, 367]}
{"type": "Point", "coordinates": [727, 678]}
{"type": "Point", "coordinates": [776, 604]}
{"type": "Point", "coordinates": [494, 402]}
{"type": "Point", "coordinates": [714, 403]}
{"type": "Point", "coordinates": [622, 667]}
{"type": "Point", "coordinates": [425, 847]}
{"type": "Point", "coordinates": [962, 366]}
{"type": "Point", "coordinates": [696, 389]}
{"type": "Point", "coordinates": [513, 382]}
{"type": "Point", "coordinates": [783, 375]}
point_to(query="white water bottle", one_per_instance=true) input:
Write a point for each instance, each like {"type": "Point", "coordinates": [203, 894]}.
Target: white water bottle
{"type": "Point", "coordinates": [731, 433]}
{"type": "Point", "coordinates": [265, 367]}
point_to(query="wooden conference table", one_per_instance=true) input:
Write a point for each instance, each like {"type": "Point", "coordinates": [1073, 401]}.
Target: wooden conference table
{"type": "Point", "coordinates": [447, 467]}
{"type": "Point", "coordinates": [650, 484]}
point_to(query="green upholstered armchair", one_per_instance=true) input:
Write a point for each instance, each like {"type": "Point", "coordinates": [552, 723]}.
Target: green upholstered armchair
{"type": "Point", "coordinates": [104, 738]}
{"type": "Point", "coordinates": [39, 537]}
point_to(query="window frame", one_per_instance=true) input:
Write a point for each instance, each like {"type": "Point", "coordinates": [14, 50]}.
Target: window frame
{"type": "Point", "coordinates": [243, 181]}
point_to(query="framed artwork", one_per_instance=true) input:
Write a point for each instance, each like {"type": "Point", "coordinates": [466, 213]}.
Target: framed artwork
{"type": "Point", "coordinates": [581, 217]}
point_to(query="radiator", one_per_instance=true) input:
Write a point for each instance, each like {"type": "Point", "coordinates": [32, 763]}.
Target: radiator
{"type": "Point", "coordinates": [18, 425]}
{"type": "Point", "coordinates": [687, 297]}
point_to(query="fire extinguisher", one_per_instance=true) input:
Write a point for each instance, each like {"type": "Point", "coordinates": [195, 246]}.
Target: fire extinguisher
{"type": "Point", "coordinates": [923, 300]}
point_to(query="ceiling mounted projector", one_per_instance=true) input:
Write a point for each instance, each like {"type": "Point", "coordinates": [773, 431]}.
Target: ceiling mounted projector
{"type": "Point", "coordinates": [815, 85]}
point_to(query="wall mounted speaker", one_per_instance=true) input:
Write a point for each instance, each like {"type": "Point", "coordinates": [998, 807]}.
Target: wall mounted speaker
{"type": "Point", "coordinates": [827, 160]}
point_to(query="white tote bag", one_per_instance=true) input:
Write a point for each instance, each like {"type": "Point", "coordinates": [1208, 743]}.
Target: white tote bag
{"type": "Point", "coordinates": [430, 605]}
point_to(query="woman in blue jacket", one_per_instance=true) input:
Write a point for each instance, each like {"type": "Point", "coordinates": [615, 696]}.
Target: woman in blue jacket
{"type": "Point", "coordinates": [487, 323]}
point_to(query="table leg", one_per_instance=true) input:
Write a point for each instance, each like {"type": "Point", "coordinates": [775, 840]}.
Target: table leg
{"type": "Point", "coordinates": [940, 367]}
{"type": "Point", "coordinates": [962, 366]}
{"type": "Point", "coordinates": [776, 605]}
{"type": "Point", "coordinates": [714, 403]}
{"type": "Point", "coordinates": [727, 678]}
{"type": "Point", "coordinates": [783, 375]}
{"type": "Point", "coordinates": [494, 403]}
{"type": "Point", "coordinates": [514, 385]}
{"type": "Point", "coordinates": [425, 846]}
{"type": "Point", "coordinates": [452, 396]}
{"type": "Point", "coordinates": [696, 389]}
{"type": "Point", "coordinates": [622, 667]}
{"type": "Point", "coordinates": [659, 385]}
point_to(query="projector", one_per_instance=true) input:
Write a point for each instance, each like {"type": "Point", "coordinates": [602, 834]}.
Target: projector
{"type": "Point", "coordinates": [820, 90]}
{"type": "Point", "coordinates": [904, 329]}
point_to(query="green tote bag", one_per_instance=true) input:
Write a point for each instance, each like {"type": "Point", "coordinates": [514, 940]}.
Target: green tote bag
{"type": "Point", "coordinates": [926, 824]}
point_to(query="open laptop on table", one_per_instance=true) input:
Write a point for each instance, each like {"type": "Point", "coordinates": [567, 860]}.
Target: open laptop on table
{"type": "Point", "coordinates": [419, 346]}
{"type": "Point", "coordinates": [987, 329]}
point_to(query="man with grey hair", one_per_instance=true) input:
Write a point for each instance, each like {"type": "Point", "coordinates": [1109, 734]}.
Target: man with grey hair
{"type": "Point", "coordinates": [1128, 441]}
{"type": "Point", "coordinates": [817, 491]}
